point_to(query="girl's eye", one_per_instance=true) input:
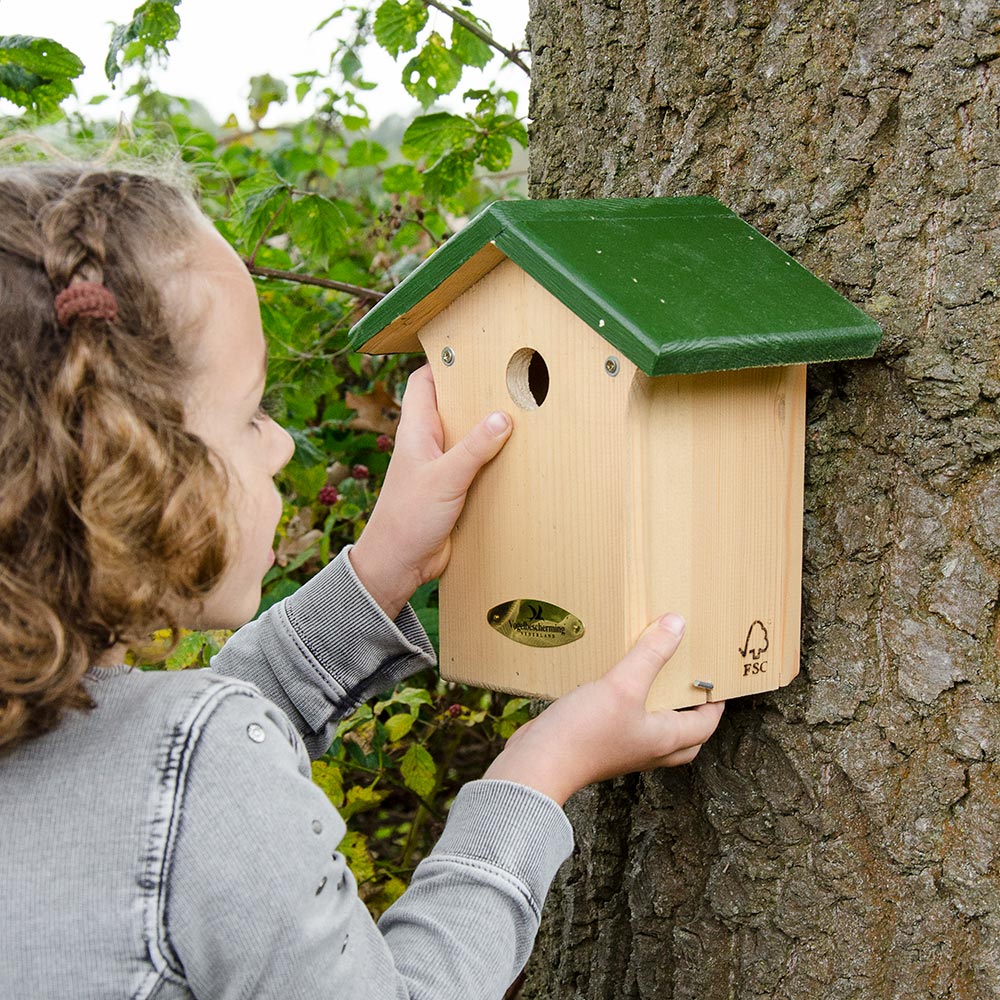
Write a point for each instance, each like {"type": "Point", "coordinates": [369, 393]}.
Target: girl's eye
{"type": "Point", "coordinates": [265, 410]}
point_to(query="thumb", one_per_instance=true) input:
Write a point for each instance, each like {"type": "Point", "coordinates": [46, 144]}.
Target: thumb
{"type": "Point", "coordinates": [463, 460]}
{"type": "Point", "coordinates": [638, 668]}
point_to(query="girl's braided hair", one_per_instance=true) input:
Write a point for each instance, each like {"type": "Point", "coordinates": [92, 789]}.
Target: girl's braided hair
{"type": "Point", "coordinates": [111, 513]}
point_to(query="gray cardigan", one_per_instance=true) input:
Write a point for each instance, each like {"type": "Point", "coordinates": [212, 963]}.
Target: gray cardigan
{"type": "Point", "coordinates": [170, 843]}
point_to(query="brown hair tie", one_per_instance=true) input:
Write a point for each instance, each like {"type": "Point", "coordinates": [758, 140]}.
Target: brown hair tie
{"type": "Point", "coordinates": [86, 298]}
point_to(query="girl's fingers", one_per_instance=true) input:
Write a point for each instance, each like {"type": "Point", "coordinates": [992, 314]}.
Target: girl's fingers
{"type": "Point", "coordinates": [419, 409]}
{"type": "Point", "coordinates": [679, 757]}
{"type": "Point", "coordinates": [638, 668]}
{"type": "Point", "coordinates": [459, 465]}
{"type": "Point", "coordinates": [693, 727]}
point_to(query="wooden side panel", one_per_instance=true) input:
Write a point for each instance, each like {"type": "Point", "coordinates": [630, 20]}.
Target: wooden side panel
{"type": "Point", "coordinates": [723, 467]}
{"type": "Point", "coordinates": [550, 519]}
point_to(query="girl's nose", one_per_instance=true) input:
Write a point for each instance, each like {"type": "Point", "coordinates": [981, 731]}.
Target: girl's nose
{"type": "Point", "coordinates": [284, 447]}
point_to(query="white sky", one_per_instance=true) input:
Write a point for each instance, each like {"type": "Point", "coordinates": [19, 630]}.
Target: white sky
{"type": "Point", "coordinates": [215, 54]}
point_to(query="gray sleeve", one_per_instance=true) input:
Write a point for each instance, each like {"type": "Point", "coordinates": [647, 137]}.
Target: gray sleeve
{"type": "Point", "coordinates": [323, 651]}
{"type": "Point", "coordinates": [261, 904]}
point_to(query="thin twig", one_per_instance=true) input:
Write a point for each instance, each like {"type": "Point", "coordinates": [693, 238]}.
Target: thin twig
{"type": "Point", "coordinates": [251, 260]}
{"type": "Point", "coordinates": [510, 54]}
{"type": "Point", "coordinates": [308, 279]}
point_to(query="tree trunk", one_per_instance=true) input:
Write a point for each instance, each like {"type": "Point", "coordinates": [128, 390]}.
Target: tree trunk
{"type": "Point", "coordinates": [838, 838]}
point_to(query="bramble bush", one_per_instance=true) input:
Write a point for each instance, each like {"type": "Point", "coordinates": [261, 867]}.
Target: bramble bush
{"type": "Point", "coordinates": [328, 211]}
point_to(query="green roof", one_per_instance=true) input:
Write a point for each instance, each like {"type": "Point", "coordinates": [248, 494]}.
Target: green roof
{"type": "Point", "coordinates": [676, 284]}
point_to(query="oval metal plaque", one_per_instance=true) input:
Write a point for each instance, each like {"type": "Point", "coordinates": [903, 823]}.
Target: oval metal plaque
{"type": "Point", "coordinates": [535, 623]}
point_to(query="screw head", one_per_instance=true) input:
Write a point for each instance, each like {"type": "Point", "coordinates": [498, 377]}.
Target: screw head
{"type": "Point", "coordinates": [611, 366]}
{"type": "Point", "coordinates": [448, 356]}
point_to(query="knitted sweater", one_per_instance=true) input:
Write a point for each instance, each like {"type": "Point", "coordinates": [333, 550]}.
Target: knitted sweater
{"type": "Point", "coordinates": [170, 843]}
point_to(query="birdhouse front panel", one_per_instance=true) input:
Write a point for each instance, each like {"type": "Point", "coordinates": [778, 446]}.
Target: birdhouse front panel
{"type": "Point", "coordinates": [550, 522]}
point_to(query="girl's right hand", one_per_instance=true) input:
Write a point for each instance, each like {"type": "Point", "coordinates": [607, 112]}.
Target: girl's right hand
{"type": "Point", "coordinates": [602, 729]}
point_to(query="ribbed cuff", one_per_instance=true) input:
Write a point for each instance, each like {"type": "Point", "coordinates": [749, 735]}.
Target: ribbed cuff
{"type": "Point", "coordinates": [512, 827]}
{"type": "Point", "coordinates": [345, 632]}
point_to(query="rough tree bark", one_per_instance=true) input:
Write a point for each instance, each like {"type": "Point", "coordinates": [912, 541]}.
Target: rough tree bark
{"type": "Point", "coordinates": [839, 838]}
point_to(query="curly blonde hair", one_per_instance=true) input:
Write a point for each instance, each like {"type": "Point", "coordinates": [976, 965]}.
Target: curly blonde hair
{"type": "Point", "coordinates": [111, 513]}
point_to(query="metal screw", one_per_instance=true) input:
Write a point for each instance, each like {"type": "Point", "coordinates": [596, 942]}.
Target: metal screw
{"type": "Point", "coordinates": [611, 366]}
{"type": "Point", "coordinates": [448, 356]}
{"type": "Point", "coordinates": [704, 685]}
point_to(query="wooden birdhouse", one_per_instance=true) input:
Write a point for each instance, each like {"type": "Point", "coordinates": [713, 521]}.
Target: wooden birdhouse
{"type": "Point", "coordinates": [652, 354]}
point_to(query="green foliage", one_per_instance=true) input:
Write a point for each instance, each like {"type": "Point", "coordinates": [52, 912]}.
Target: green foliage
{"type": "Point", "coordinates": [327, 198]}
{"type": "Point", "coordinates": [153, 24]}
{"type": "Point", "coordinates": [36, 73]}
{"type": "Point", "coordinates": [397, 25]}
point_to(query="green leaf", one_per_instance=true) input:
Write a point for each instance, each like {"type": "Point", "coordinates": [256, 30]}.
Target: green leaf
{"type": "Point", "coordinates": [260, 205]}
{"type": "Point", "coordinates": [433, 72]}
{"type": "Point", "coordinates": [402, 179]}
{"type": "Point", "coordinates": [450, 174]}
{"type": "Point", "coordinates": [436, 134]}
{"type": "Point", "coordinates": [415, 697]}
{"type": "Point", "coordinates": [265, 90]}
{"type": "Point", "coordinates": [305, 480]}
{"type": "Point", "coordinates": [36, 72]}
{"type": "Point", "coordinates": [350, 65]}
{"type": "Point", "coordinates": [330, 778]}
{"type": "Point", "coordinates": [41, 56]}
{"type": "Point", "coordinates": [281, 590]}
{"type": "Point", "coordinates": [359, 858]}
{"type": "Point", "coordinates": [471, 49]}
{"type": "Point", "coordinates": [321, 226]}
{"type": "Point", "coordinates": [429, 619]}
{"type": "Point", "coordinates": [186, 652]}
{"type": "Point", "coordinates": [514, 705]}
{"type": "Point", "coordinates": [398, 24]}
{"type": "Point", "coordinates": [305, 451]}
{"type": "Point", "coordinates": [511, 127]}
{"type": "Point", "coordinates": [419, 770]}
{"type": "Point", "coordinates": [153, 24]}
{"type": "Point", "coordinates": [365, 153]}
{"type": "Point", "coordinates": [359, 716]}
{"type": "Point", "coordinates": [359, 799]}
{"type": "Point", "coordinates": [495, 152]}
{"type": "Point", "coordinates": [422, 595]}
{"type": "Point", "coordinates": [397, 726]}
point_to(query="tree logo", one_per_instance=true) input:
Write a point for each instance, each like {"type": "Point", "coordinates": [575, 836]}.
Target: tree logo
{"type": "Point", "coordinates": [755, 647]}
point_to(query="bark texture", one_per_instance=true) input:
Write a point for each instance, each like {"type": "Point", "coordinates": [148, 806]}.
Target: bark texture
{"type": "Point", "coordinates": [839, 838]}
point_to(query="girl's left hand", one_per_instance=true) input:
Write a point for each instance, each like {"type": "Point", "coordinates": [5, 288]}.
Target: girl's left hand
{"type": "Point", "coordinates": [407, 540]}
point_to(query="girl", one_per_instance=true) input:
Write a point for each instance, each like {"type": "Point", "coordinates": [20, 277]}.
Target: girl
{"type": "Point", "coordinates": [160, 833]}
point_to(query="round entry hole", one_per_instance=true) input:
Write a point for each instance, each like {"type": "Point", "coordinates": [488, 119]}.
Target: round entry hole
{"type": "Point", "coordinates": [527, 378]}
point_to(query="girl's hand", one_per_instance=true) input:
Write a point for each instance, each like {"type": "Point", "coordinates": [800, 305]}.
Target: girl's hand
{"type": "Point", "coordinates": [407, 539]}
{"type": "Point", "coordinates": [602, 729]}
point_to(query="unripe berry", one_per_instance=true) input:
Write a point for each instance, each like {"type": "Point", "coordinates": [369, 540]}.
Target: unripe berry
{"type": "Point", "coordinates": [328, 496]}
{"type": "Point", "coordinates": [384, 442]}
{"type": "Point", "coordinates": [360, 472]}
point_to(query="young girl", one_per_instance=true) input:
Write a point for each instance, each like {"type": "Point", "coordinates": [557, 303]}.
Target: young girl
{"type": "Point", "coordinates": [159, 834]}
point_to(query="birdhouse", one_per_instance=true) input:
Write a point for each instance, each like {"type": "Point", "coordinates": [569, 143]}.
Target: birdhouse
{"type": "Point", "coordinates": [652, 355]}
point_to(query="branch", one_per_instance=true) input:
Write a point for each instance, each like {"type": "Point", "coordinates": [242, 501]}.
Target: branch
{"type": "Point", "coordinates": [510, 54]}
{"type": "Point", "coordinates": [270, 224]}
{"type": "Point", "coordinates": [309, 279]}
